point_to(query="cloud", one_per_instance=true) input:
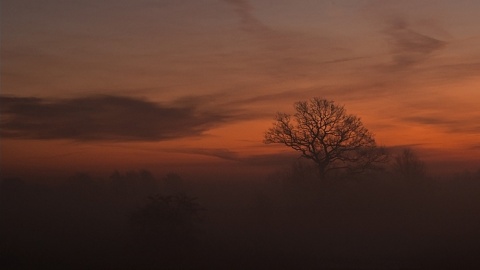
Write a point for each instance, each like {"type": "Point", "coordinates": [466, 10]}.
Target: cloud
{"type": "Point", "coordinates": [289, 95]}
{"type": "Point", "coordinates": [287, 53]}
{"type": "Point", "coordinates": [452, 124]}
{"type": "Point", "coordinates": [104, 118]}
{"type": "Point", "coordinates": [454, 71]}
{"type": "Point", "coordinates": [276, 159]}
{"type": "Point", "coordinates": [475, 147]}
{"type": "Point", "coordinates": [400, 147]}
{"type": "Point", "coordinates": [409, 47]}
{"type": "Point", "coordinates": [426, 120]}
{"type": "Point", "coordinates": [212, 152]}
{"type": "Point", "coordinates": [248, 21]}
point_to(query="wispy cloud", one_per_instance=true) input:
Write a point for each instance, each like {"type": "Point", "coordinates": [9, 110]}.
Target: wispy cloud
{"type": "Point", "coordinates": [454, 71]}
{"type": "Point", "coordinates": [428, 120]}
{"type": "Point", "coordinates": [249, 22]}
{"type": "Point", "coordinates": [275, 159]}
{"type": "Point", "coordinates": [111, 118]}
{"type": "Point", "coordinates": [285, 53]}
{"type": "Point", "coordinates": [475, 147]}
{"type": "Point", "coordinates": [278, 159]}
{"type": "Point", "coordinates": [409, 47]}
{"type": "Point", "coordinates": [221, 153]}
{"type": "Point", "coordinates": [453, 124]}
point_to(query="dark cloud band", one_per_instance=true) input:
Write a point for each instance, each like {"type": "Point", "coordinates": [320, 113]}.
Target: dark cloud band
{"type": "Point", "coordinates": [102, 118]}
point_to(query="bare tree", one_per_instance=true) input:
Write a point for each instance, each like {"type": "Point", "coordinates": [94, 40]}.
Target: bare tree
{"type": "Point", "coordinates": [324, 133]}
{"type": "Point", "coordinates": [408, 165]}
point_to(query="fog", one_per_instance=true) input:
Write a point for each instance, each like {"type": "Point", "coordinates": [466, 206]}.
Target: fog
{"type": "Point", "coordinates": [134, 219]}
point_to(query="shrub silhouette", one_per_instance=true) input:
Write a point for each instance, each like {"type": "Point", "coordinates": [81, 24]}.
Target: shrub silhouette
{"type": "Point", "coordinates": [167, 225]}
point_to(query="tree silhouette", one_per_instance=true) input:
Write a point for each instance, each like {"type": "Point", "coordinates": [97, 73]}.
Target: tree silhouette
{"type": "Point", "coordinates": [167, 224]}
{"type": "Point", "coordinates": [324, 133]}
{"type": "Point", "coordinates": [409, 166]}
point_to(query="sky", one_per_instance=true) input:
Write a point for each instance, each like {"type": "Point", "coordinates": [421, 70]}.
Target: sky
{"type": "Point", "coordinates": [191, 86]}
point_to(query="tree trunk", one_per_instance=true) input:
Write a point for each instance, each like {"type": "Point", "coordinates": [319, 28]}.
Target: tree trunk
{"type": "Point", "coordinates": [321, 172]}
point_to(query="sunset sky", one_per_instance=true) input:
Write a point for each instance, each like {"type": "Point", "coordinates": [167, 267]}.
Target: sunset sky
{"type": "Point", "coordinates": [191, 86]}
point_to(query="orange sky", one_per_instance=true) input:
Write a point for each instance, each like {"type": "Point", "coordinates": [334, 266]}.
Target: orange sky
{"type": "Point", "coordinates": [191, 86]}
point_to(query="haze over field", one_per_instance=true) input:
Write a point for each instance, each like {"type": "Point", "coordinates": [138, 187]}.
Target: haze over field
{"type": "Point", "coordinates": [191, 86]}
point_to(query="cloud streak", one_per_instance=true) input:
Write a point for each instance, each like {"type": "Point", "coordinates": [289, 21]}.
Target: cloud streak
{"type": "Point", "coordinates": [409, 47]}
{"type": "Point", "coordinates": [286, 53]}
{"type": "Point", "coordinates": [221, 153]}
{"type": "Point", "coordinates": [458, 124]}
{"type": "Point", "coordinates": [104, 118]}
{"type": "Point", "coordinates": [249, 22]}
{"type": "Point", "coordinates": [275, 159]}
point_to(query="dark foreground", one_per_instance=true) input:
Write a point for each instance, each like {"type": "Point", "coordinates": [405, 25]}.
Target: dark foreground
{"type": "Point", "coordinates": [377, 222]}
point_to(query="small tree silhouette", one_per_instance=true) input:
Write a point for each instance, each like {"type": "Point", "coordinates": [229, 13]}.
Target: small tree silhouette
{"type": "Point", "coordinates": [409, 166]}
{"type": "Point", "coordinates": [167, 225]}
{"type": "Point", "coordinates": [324, 133]}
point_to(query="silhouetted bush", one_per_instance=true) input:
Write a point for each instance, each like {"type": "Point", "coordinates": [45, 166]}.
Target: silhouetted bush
{"type": "Point", "coordinates": [167, 227]}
